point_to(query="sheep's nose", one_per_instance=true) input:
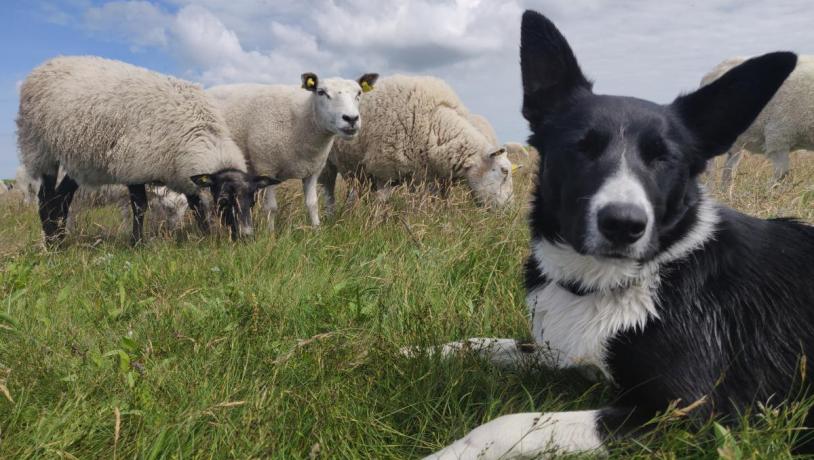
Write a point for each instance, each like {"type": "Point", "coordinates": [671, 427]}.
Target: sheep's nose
{"type": "Point", "coordinates": [351, 120]}
{"type": "Point", "coordinates": [622, 224]}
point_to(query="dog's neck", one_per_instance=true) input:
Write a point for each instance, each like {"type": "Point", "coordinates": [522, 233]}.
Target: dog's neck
{"type": "Point", "coordinates": [585, 274]}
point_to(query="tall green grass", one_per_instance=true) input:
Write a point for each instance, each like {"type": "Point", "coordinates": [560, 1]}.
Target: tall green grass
{"type": "Point", "coordinates": [287, 346]}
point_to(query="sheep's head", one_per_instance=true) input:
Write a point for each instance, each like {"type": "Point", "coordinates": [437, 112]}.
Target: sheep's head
{"type": "Point", "coordinates": [336, 102]}
{"type": "Point", "coordinates": [234, 193]}
{"type": "Point", "coordinates": [490, 178]}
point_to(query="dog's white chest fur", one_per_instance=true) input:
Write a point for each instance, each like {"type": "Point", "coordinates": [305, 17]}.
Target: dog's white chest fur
{"type": "Point", "coordinates": [576, 328]}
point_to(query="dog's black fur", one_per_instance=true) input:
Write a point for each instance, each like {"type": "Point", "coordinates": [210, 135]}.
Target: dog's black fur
{"type": "Point", "coordinates": [735, 315]}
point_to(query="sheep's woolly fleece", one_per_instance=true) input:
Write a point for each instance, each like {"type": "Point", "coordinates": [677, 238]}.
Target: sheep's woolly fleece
{"type": "Point", "coordinates": [276, 128]}
{"type": "Point", "coordinates": [482, 124]}
{"type": "Point", "coordinates": [787, 121]}
{"type": "Point", "coordinates": [107, 122]}
{"type": "Point", "coordinates": [414, 127]}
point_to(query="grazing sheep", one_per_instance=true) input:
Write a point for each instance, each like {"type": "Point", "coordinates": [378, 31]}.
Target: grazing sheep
{"type": "Point", "coordinates": [286, 132]}
{"type": "Point", "coordinates": [417, 129]}
{"type": "Point", "coordinates": [784, 125]}
{"type": "Point", "coordinates": [107, 122]}
{"type": "Point", "coordinates": [166, 207]}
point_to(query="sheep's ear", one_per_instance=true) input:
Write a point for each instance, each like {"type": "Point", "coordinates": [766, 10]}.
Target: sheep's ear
{"type": "Point", "coordinates": [367, 81]}
{"type": "Point", "coordinates": [498, 152]}
{"type": "Point", "coordinates": [264, 181]}
{"type": "Point", "coordinates": [202, 180]}
{"type": "Point", "coordinates": [310, 81]}
{"type": "Point", "coordinates": [716, 114]}
{"type": "Point", "coordinates": [551, 74]}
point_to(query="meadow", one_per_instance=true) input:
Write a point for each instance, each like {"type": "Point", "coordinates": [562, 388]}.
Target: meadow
{"type": "Point", "coordinates": [287, 346]}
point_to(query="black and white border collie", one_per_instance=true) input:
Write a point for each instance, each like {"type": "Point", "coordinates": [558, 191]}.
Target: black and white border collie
{"type": "Point", "coordinates": [635, 271]}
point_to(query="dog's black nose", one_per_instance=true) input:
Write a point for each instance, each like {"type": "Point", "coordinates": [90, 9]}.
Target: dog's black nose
{"type": "Point", "coordinates": [622, 224]}
{"type": "Point", "coordinates": [351, 120]}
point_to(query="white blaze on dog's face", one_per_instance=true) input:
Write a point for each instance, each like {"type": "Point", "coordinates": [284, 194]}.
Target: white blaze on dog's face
{"type": "Point", "coordinates": [491, 181]}
{"type": "Point", "coordinates": [337, 100]}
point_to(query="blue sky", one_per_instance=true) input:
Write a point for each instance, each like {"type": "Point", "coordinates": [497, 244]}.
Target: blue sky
{"type": "Point", "coordinates": [652, 50]}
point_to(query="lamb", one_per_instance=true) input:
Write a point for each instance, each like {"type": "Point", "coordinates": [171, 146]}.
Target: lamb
{"type": "Point", "coordinates": [108, 122]}
{"type": "Point", "coordinates": [785, 124]}
{"type": "Point", "coordinates": [166, 207]}
{"type": "Point", "coordinates": [418, 130]}
{"type": "Point", "coordinates": [287, 133]}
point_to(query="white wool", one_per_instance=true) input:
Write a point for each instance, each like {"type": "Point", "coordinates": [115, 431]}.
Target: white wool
{"type": "Point", "coordinates": [107, 122]}
{"type": "Point", "coordinates": [785, 124]}
{"type": "Point", "coordinates": [416, 128]}
{"type": "Point", "coordinates": [286, 132]}
{"type": "Point", "coordinates": [482, 124]}
{"type": "Point", "coordinates": [275, 127]}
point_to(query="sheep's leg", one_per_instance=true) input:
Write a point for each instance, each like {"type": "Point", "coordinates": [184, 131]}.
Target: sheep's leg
{"type": "Point", "coordinates": [138, 204]}
{"type": "Point", "coordinates": [65, 192]}
{"type": "Point", "coordinates": [196, 204]}
{"type": "Point", "coordinates": [780, 161]}
{"type": "Point", "coordinates": [384, 189]}
{"type": "Point", "coordinates": [309, 188]}
{"type": "Point", "coordinates": [733, 157]}
{"type": "Point", "coordinates": [270, 206]}
{"type": "Point", "coordinates": [328, 181]}
{"type": "Point", "coordinates": [49, 209]}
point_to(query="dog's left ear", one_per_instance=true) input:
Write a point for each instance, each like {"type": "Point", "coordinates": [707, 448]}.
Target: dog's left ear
{"type": "Point", "coordinates": [551, 74]}
{"type": "Point", "coordinates": [719, 112]}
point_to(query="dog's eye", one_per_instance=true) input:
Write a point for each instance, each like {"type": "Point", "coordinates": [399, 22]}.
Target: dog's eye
{"type": "Point", "coordinates": [653, 148]}
{"type": "Point", "coordinates": [593, 144]}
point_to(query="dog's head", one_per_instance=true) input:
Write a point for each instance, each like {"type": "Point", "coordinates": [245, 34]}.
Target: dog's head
{"type": "Point", "coordinates": [618, 175]}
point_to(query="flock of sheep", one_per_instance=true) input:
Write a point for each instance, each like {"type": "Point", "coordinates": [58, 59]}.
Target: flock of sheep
{"type": "Point", "coordinates": [109, 132]}
{"type": "Point", "coordinates": [98, 132]}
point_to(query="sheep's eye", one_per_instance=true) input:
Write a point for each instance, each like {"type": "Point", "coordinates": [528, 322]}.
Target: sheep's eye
{"type": "Point", "coordinates": [504, 170]}
{"type": "Point", "coordinates": [322, 92]}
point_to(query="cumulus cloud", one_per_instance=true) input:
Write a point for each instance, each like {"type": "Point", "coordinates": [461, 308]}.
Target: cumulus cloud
{"type": "Point", "coordinates": [140, 23]}
{"type": "Point", "coordinates": [647, 49]}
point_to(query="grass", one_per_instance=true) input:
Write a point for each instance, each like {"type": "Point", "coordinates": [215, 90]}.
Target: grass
{"type": "Point", "coordinates": [287, 346]}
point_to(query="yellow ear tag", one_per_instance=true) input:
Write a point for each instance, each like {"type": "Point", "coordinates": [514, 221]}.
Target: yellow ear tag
{"type": "Point", "coordinates": [366, 88]}
{"type": "Point", "coordinates": [515, 167]}
{"type": "Point", "coordinates": [310, 82]}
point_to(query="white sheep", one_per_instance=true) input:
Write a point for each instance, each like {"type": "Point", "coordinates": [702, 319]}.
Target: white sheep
{"type": "Point", "coordinates": [107, 122]}
{"type": "Point", "coordinates": [416, 129]}
{"type": "Point", "coordinates": [784, 125]}
{"type": "Point", "coordinates": [286, 131]}
{"type": "Point", "coordinates": [167, 208]}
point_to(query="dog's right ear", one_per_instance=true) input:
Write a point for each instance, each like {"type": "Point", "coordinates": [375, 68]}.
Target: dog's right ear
{"type": "Point", "coordinates": [716, 114]}
{"type": "Point", "coordinates": [551, 74]}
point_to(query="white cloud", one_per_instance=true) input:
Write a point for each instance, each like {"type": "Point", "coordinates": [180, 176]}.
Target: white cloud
{"type": "Point", "coordinates": [140, 23]}
{"type": "Point", "coordinates": [647, 49]}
